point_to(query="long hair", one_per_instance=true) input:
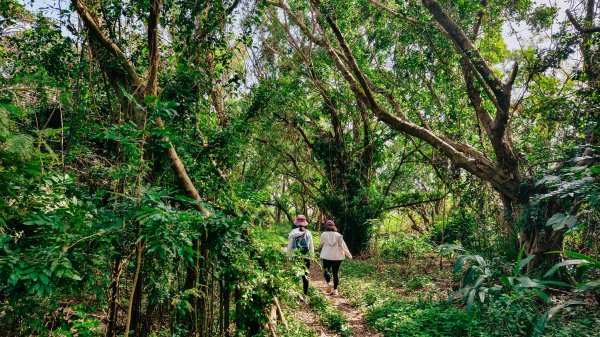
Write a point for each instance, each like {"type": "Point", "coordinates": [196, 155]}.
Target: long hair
{"type": "Point", "coordinates": [331, 229]}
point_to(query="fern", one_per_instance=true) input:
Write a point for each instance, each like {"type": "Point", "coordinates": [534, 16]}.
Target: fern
{"type": "Point", "coordinates": [13, 145]}
{"type": "Point", "coordinates": [19, 146]}
{"type": "Point", "coordinates": [4, 124]}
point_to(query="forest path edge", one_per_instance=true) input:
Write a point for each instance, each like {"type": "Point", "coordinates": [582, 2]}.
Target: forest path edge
{"type": "Point", "coordinates": [354, 315]}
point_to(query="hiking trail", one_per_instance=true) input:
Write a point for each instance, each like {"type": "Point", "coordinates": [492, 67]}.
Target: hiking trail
{"type": "Point", "coordinates": [354, 315]}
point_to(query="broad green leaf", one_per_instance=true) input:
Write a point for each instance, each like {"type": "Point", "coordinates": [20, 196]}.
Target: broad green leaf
{"type": "Point", "coordinates": [525, 261]}
{"type": "Point", "coordinates": [583, 257]}
{"type": "Point", "coordinates": [563, 264]}
{"type": "Point", "coordinates": [471, 298]}
{"type": "Point", "coordinates": [591, 285]}
{"type": "Point", "coordinates": [540, 324]}
{"type": "Point", "coordinates": [448, 247]}
{"type": "Point", "coordinates": [559, 221]}
{"type": "Point", "coordinates": [526, 282]}
{"type": "Point", "coordinates": [555, 283]}
{"type": "Point", "coordinates": [44, 279]}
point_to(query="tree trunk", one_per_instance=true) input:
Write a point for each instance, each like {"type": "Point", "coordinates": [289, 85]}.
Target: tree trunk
{"type": "Point", "coordinates": [114, 290]}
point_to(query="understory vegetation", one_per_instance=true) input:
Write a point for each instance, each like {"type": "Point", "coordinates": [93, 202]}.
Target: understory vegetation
{"type": "Point", "coordinates": [412, 300]}
{"type": "Point", "coordinates": [154, 155]}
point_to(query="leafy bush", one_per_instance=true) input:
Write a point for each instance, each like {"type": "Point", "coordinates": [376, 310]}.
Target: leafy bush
{"type": "Point", "coordinates": [423, 319]}
{"type": "Point", "coordinates": [417, 282]}
{"type": "Point", "coordinates": [516, 310]}
{"type": "Point", "coordinates": [459, 227]}
{"type": "Point", "coordinates": [403, 246]}
{"type": "Point", "coordinates": [583, 265]}
{"type": "Point", "coordinates": [295, 329]}
{"type": "Point", "coordinates": [358, 268]}
{"type": "Point", "coordinates": [514, 313]}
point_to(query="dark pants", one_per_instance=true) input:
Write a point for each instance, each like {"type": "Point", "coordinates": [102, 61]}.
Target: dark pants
{"type": "Point", "coordinates": [305, 277]}
{"type": "Point", "coordinates": [334, 268]}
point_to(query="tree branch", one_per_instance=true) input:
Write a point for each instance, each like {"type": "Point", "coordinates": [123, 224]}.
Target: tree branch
{"type": "Point", "coordinates": [106, 42]}
{"type": "Point", "coordinates": [406, 18]}
{"type": "Point", "coordinates": [579, 27]}
{"type": "Point", "coordinates": [414, 203]}
{"type": "Point", "coordinates": [460, 154]}
{"type": "Point", "coordinates": [231, 8]}
{"type": "Point", "coordinates": [175, 162]}
{"type": "Point", "coordinates": [462, 41]}
{"type": "Point", "coordinates": [153, 53]}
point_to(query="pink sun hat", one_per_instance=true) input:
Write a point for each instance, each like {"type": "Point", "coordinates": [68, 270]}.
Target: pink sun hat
{"type": "Point", "coordinates": [329, 223]}
{"type": "Point", "coordinates": [301, 221]}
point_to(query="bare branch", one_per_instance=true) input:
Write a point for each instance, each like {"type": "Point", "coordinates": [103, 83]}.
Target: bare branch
{"type": "Point", "coordinates": [513, 74]}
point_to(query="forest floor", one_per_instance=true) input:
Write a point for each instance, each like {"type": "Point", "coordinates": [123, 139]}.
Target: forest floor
{"type": "Point", "coordinates": [354, 315]}
{"type": "Point", "coordinates": [311, 320]}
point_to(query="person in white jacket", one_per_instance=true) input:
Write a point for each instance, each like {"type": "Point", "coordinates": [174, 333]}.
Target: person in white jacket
{"type": "Point", "coordinates": [300, 241]}
{"type": "Point", "coordinates": [333, 252]}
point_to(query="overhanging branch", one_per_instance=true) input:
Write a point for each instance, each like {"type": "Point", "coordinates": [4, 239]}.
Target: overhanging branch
{"type": "Point", "coordinates": [579, 27]}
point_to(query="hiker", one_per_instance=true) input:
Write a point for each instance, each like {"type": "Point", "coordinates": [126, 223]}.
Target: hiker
{"type": "Point", "coordinates": [300, 240]}
{"type": "Point", "coordinates": [333, 252]}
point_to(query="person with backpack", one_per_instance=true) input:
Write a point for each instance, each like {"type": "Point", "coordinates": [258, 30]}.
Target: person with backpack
{"type": "Point", "coordinates": [333, 252]}
{"type": "Point", "coordinates": [300, 242]}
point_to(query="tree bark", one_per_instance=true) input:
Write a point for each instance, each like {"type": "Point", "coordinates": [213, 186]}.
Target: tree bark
{"type": "Point", "coordinates": [114, 290]}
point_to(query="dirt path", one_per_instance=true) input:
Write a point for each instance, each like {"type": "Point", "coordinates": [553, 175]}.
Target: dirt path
{"type": "Point", "coordinates": [311, 320]}
{"type": "Point", "coordinates": [355, 316]}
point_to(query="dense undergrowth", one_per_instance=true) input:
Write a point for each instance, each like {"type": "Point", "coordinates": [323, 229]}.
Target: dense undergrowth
{"type": "Point", "coordinates": [411, 299]}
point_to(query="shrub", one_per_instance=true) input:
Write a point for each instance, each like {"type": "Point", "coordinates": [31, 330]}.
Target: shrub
{"type": "Point", "coordinates": [295, 328]}
{"type": "Point", "coordinates": [421, 319]}
{"type": "Point", "coordinates": [457, 228]}
{"type": "Point", "coordinates": [403, 246]}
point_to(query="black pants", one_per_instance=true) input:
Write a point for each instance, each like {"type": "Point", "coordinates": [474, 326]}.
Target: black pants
{"type": "Point", "coordinates": [305, 277]}
{"type": "Point", "coordinates": [333, 267]}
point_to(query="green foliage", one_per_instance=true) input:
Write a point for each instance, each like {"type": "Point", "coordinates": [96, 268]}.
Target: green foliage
{"type": "Point", "coordinates": [295, 329]}
{"type": "Point", "coordinates": [15, 147]}
{"type": "Point", "coordinates": [266, 126]}
{"type": "Point", "coordinates": [475, 282]}
{"type": "Point", "coordinates": [398, 318]}
{"type": "Point", "coordinates": [584, 267]}
{"type": "Point", "coordinates": [403, 246]}
{"type": "Point", "coordinates": [517, 291]}
{"type": "Point", "coordinates": [542, 17]}
{"type": "Point", "coordinates": [478, 278]}
{"type": "Point", "coordinates": [78, 322]}
{"type": "Point", "coordinates": [573, 183]}
{"type": "Point", "coordinates": [457, 228]}
{"type": "Point", "coordinates": [515, 311]}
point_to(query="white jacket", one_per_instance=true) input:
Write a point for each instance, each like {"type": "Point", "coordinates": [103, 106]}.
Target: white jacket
{"type": "Point", "coordinates": [296, 233]}
{"type": "Point", "coordinates": [334, 247]}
